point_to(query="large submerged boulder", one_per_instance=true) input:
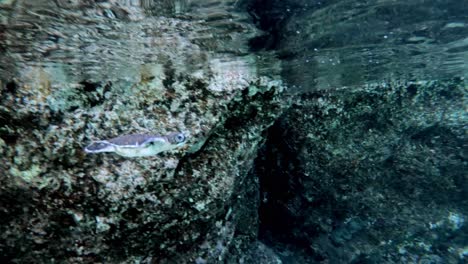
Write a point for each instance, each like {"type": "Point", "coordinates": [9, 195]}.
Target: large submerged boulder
{"type": "Point", "coordinates": [369, 165]}
{"type": "Point", "coordinates": [373, 174]}
{"type": "Point", "coordinates": [75, 73]}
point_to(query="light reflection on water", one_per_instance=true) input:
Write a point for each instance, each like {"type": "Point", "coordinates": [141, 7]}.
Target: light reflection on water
{"type": "Point", "coordinates": [113, 40]}
{"type": "Point", "coordinates": [349, 42]}
{"type": "Point", "coordinates": [333, 43]}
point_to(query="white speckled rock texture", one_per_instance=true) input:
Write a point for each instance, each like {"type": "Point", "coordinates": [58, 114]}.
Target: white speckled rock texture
{"type": "Point", "coordinates": [193, 75]}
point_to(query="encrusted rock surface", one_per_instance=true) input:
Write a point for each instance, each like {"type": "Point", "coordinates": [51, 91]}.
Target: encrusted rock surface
{"type": "Point", "coordinates": [72, 81]}
{"type": "Point", "coordinates": [374, 169]}
{"type": "Point", "coordinates": [59, 203]}
{"type": "Point", "coordinates": [373, 174]}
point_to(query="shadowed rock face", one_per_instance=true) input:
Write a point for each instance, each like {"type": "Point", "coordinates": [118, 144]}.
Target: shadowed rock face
{"type": "Point", "coordinates": [362, 167]}
{"type": "Point", "coordinates": [368, 175]}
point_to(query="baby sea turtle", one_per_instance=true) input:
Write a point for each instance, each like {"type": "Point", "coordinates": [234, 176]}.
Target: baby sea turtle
{"type": "Point", "coordinates": [138, 145]}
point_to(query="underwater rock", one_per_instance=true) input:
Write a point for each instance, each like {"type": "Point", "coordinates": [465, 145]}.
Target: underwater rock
{"type": "Point", "coordinates": [373, 174]}
{"type": "Point", "coordinates": [68, 82]}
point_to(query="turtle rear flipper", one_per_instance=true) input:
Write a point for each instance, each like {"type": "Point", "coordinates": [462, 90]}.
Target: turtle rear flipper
{"type": "Point", "coordinates": [100, 146]}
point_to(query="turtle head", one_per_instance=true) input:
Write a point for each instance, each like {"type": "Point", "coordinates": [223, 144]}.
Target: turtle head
{"type": "Point", "coordinates": [176, 138]}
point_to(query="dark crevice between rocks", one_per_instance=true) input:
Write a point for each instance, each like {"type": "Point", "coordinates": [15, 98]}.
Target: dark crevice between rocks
{"type": "Point", "coordinates": [277, 187]}
{"type": "Point", "coordinates": [11, 87]}
{"type": "Point", "coordinates": [91, 93]}
{"type": "Point", "coordinates": [89, 86]}
{"type": "Point", "coordinates": [169, 73]}
{"type": "Point", "coordinates": [8, 89]}
{"type": "Point", "coordinates": [11, 126]}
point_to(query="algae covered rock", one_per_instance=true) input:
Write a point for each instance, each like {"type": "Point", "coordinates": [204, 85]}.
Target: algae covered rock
{"type": "Point", "coordinates": [368, 175]}
{"type": "Point", "coordinates": [69, 84]}
{"type": "Point", "coordinates": [107, 208]}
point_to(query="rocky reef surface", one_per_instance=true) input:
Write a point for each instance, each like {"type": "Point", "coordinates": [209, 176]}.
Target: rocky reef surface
{"type": "Point", "coordinates": [59, 203]}
{"type": "Point", "coordinates": [96, 71]}
{"type": "Point", "coordinates": [369, 164]}
{"type": "Point", "coordinates": [373, 174]}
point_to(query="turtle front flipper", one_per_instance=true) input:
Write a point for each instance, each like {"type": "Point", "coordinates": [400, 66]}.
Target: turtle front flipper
{"type": "Point", "coordinates": [100, 146]}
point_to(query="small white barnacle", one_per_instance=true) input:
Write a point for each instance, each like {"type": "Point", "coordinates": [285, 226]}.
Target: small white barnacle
{"type": "Point", "coordinates": [138, 145]}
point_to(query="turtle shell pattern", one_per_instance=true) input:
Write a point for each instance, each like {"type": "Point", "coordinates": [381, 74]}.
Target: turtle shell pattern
{"type": "Point", "coordinates": [134, 140]}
